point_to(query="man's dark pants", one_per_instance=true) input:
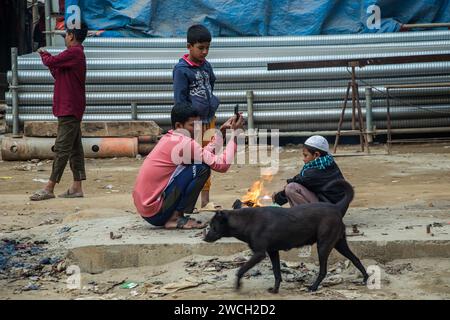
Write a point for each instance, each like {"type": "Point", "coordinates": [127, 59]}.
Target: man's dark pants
{"type": "Point", "coordinates": [182, 193]}
{"type": "Point", "coordinates": [68, 147]}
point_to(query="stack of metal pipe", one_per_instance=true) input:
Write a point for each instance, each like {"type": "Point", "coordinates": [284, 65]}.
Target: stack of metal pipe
{"type": "Point", "coordinates": [126, 71]}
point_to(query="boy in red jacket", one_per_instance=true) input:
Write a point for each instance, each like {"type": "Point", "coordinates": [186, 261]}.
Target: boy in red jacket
{"type": "Point", "coordinates": [69, 101]}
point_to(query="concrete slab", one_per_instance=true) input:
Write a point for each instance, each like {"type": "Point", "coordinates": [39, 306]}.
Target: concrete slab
{"type": "Point", "coordinates": [386, 234]}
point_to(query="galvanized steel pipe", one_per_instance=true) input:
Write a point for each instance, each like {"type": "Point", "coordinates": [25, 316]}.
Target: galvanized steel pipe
{"type": "Point", "coordinates": [234, 75]}
{"type": "Point", "coordinates": [14, 87]}
{"type": "Point", "coordinates": [261, 106]}
{"type": "Point", "coordinates": [246, 85]}
{"type": "Point", "coordinates": [275, 117]}
{"type": "Point", "coordinates": [28, 98]}
{"type": "Point", "coordinates": [273, 41]}
{"type": "Point", "coordinates": [143, 63]}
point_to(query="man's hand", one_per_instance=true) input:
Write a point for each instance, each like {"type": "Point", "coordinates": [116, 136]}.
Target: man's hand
{"type": "Point", "coordinates": [227, 125]}
{"type": "Point", "coordinates": [41, 50]}
{"type": "Point", "coordinates": [237, 123]}
{"type": "Point", "coordinates": [233, 123]}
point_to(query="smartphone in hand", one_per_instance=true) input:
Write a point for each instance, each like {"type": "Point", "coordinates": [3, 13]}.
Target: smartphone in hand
{"type": "Point", "coordinates": [236, 112]}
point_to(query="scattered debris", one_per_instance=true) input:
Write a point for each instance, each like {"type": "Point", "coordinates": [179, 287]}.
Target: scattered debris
{"type": "Point", "coordinates": [113, 236]}
{"type": "Point", "coordinates": [64, 230]}
{"type": "Point", "coordinates": [50, 221]}
{"type": "Point", "coordinates": [253, 273]}
{"type": "Point", "coordinates": [134, 293]}
{"type": "Point", "coordinates": [31, 286]}
{"type": "Point", "coordinates": [108, 187]}
{"type": "Point", "coordinates": [129, 285]}
{"type": "Point", "coordinates": [355, 231]}
{"type": "Point", "coordinates": [169, 288]}
{"type": "Point", "coordinates": [61, 266]}
{"type": "Point", "coordinates": [40, 180]}
{"type": "Point", "coordinates": [332, 281]}
{"type": "Point", "coordinates": [23, 167]}
{"type": "Point", "coordinates": [398, 269]}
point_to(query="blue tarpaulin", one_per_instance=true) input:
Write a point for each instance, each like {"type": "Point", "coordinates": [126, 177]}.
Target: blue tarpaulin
{"type": "Point", "coordinates": [171, 18]}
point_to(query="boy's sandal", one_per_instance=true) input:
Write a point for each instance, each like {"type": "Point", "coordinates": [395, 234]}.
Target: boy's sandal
{"type": "Point", "coordinates": [182, 221]}
{"type": "Point", "coordinates": [211, 206]}
{"type": "Point", "coordinates": [41, 195]}
{"type": "Point", "coordinates": [67, 194]}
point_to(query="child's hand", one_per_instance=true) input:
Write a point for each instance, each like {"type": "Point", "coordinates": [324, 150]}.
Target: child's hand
{"type": "Point", "coordinates": [41, 50]}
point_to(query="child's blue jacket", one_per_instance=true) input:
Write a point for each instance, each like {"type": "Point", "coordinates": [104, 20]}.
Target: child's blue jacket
{"type": "Point", "coordinates": [195, 84]}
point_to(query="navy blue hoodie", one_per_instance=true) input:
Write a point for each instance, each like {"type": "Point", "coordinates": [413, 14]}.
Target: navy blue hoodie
{"type": "Point", "coordinates": [195, 84]}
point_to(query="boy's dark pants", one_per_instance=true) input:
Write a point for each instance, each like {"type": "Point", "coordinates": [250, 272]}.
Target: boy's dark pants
{"type": "Point", "coordinates": [182, 193]}
{"type": "Point", "coordinates": [68, 147]}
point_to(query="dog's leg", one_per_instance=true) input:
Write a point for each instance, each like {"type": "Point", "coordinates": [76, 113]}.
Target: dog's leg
{"type": "Point", "coordinates": [324, 249]}
{"type": "Point", "coordinates": [256, 258]}
{"type": "Point", "coordinates": [275, 259]}
{"type": "Point", "coordinates": [342, 248]}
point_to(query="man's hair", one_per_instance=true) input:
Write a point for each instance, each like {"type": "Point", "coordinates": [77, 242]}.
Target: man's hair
{"type": "Point", "coordinates": [181, 112]}
{"type": "Point", "coordinates": [79, 34]}
{"type": "Point", "coordinates": [313, 150]}
{"type": "Point", "coordinates": [198, 33]}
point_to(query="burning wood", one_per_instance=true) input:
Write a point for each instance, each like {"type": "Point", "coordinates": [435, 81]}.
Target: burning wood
{"type": "Point", "coordinates": [256, 194]}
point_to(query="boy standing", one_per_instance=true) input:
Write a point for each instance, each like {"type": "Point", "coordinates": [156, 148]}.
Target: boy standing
{"type": "Point", "coordinates": [319, 170]}
{"type": "Point", "coordinates": [193, 83]}
{"type": "Point", "coordinates": [173, 174]}
{"type": "Point", "coordinates": [69, 101]}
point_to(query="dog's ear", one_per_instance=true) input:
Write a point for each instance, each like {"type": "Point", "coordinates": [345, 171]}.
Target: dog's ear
{"type": "Point", "coordinates": [221, 215]}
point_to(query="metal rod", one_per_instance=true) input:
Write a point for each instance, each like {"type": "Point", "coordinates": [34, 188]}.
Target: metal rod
{"type": "Point", "coordinates": [425, 25]}
{"type": "Point", "coordinates": [369, 115]}
{"type": "Point", "coordinates": [14, 87]}
{"type": "Point", "coordinates": [48, 22]}
{"type": "Point", "coordinates": [389, 128]}
{"type": "Point", "coordinates": [250, 121]}
{"type": "Point", "coordinates": [134, 111]}
{"type": "Point", "coordinates": [341, 118]}
{"type": "Point", "coordinates": [419, 85]}
{"type": "Point", "coordinates": [363, 136]}
{"type": "Point", "coordinates": [356, 132]}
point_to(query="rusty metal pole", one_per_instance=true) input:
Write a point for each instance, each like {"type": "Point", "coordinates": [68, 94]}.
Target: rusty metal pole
{"type": "Point", "coordinates": [341, 118]}
{"type": "Point", "coordinates": [14, 87]}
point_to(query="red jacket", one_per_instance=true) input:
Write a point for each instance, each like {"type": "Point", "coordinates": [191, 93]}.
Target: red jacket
{"type": "Point", "coordinates": [69, 71]}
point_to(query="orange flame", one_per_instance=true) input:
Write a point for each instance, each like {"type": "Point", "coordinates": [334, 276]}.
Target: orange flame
{"type": "Point", "coordinates": [257, 192]}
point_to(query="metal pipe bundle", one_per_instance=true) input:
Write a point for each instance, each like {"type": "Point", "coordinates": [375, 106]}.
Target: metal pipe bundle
{"type": "Point", "coordinates": [124, 72]}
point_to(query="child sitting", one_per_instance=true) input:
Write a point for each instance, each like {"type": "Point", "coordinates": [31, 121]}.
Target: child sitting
{"type": "Point", "coordinates": [173, 174]}
{"type": "Point", "coordinates": [319, 170]}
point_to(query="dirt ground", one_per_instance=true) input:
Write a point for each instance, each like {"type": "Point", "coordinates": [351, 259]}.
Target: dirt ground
{"type": "Point", "coordinates": [417, 175]}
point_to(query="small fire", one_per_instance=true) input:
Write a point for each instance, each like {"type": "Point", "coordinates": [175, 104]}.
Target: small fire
{"type": "Point", "coordinates": [257, 193]}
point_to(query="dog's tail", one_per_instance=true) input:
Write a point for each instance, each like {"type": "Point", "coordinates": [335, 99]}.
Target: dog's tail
{"type": "Point", "coordinates": [349, 193]}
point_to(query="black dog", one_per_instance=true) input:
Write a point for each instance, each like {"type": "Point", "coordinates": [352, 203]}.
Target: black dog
{"type": "Point", "coordinates": [270, 229]}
